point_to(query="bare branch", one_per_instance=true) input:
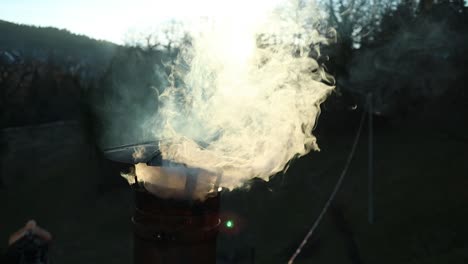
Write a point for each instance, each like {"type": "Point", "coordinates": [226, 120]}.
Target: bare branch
{"type": "Point", "coordinates": [332, 12]}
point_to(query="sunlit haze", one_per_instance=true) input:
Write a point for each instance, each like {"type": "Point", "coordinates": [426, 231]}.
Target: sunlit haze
{"type": "Point", "coordinates": [250, 91]}
{"type": "Point", "coordinates": [112, 19]}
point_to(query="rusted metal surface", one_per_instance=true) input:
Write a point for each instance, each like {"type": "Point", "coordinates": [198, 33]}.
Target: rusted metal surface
{"type": "Point", "coordinates": [174, 231]}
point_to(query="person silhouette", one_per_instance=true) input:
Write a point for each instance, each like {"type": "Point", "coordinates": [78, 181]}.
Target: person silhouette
{"type": "Point", "coordinates": [28, 245]}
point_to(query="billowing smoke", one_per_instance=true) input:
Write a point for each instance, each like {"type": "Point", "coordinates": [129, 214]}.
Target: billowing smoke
{"type": "Point", "coordinates": [244, 95]}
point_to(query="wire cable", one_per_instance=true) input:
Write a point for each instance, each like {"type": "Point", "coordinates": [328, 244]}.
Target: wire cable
{"type": "Point", "coordinates": [333, 194]}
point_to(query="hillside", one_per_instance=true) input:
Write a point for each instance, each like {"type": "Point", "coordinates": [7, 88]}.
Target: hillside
{"type": "Point", "coordinates": [44, 73]}
{"type": "Point", "coordinates": [43, 42]}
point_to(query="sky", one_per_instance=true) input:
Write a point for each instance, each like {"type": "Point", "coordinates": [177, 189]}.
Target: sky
{"type": "Point", "coordinates": [112, 19]}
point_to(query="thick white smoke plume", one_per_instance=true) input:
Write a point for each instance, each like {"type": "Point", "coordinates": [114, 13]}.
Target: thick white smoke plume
{"type": "Point", "coordinates": [245, 94]}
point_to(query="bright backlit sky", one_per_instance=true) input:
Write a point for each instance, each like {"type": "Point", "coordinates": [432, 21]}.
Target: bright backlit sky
{"type": "Point", "coordinates": [112, 19]}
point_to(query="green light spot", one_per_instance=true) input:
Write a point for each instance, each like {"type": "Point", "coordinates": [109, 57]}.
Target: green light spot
{"type": "Point", "coordinates": [229, 224]}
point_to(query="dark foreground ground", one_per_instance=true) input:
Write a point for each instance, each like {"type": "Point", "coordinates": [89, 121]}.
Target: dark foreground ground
{"type": "Point", "coordinates": [50, 173]}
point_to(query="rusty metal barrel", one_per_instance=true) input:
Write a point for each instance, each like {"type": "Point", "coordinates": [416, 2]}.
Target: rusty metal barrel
{"type": "Point", "coordinates": [176, 218]}
{"type": "Point", "coordinates": [174, 231]}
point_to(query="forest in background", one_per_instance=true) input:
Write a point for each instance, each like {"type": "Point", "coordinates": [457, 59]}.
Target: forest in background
{"type": "Point", "coordinates": [405, 53]}
{"type": "Point", "coordinates": [44, 73]}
